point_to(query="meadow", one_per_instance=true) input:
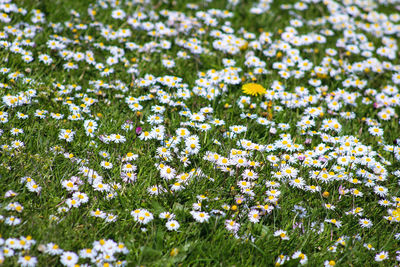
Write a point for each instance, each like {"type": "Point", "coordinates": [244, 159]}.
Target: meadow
{"type": "Point", "coordinates": [199, 133]}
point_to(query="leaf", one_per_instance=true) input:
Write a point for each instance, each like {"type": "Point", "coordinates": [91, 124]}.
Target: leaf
{"type": "Point", "coordinates": [264, 230]}
{"type": "Point", "coordinates": [148, 253]}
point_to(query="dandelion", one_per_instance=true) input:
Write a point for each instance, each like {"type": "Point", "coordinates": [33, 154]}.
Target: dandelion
{"type": "Point", "coordinates": [253, 89]}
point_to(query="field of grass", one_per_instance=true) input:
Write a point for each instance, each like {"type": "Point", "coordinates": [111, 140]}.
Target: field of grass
{"type": "Point", "coordinates": [201, 133]}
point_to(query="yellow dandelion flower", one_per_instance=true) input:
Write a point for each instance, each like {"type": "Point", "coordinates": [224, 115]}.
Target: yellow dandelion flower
{"type": "Point", "coordinates": [253, 89]}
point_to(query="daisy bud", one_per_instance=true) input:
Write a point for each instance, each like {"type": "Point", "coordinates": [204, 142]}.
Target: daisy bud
{"type": "Point", "coordinates": [139, 130]}
{"type": "Point", "coordinates": [322, 158]}
{"type": "Point", "coordinates": [41, 248]}
{"type": "Point", "coordinates": [174, 252]}
{"type": "Point", "coordinates": [272, 131]}
{"type": "Point", "coordinates": [342, 190]}
{"type": "Point", "coordinates": [301, 157]}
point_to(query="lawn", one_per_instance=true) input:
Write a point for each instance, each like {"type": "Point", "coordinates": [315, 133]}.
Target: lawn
{"type": "Point", "coordinates": [201, 133]}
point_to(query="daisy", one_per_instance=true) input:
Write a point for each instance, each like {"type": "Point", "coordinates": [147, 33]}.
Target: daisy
{"type": "Point", "coordinates": [176, 186]}
{"type": "Point", "coordinates": [192, 145]}
{"type": "Point", "coordinates": [27, 261]}
{"type": "Point", "coordinates": [111, 217]}
{"type": "Point", "coordinates": [168, 63]}
{"type": "Point", "coordinates": [81, 197]}
{"type": "Point", "coordinates": [232, 226]}
{"type": "Point", "coordinates": [281, 260]}
{"type": "Point", "coordinates": [384, 202]}
{"type": "Point", "coordinates": [168, 173]}
{"type": "Point", "coordinates": [299, 255]}
{"type": "Point", "coordinates": [172, 225]}
{"type": "Point", "coordinates": [380, 191]}
{"type": "Point", "coordinates": [98, 185]}
{"type": "Point", "coordinates": [98, 213]}
{"type": "Point", "coordinates": [254, 216]}
{"type": "Point", "coordinates": [22, 115]}
{"type": "Point", "coordinates": [329, 206]}
{"type": "Point", "coordinates": [87, 253]}
{"type": "Point", "coordinates": [17, 144]}
{"type": "Point", "coordinates": [282, 234]}
{"type": "Point", "coordinates": [237, 129]}
{"type": "Point", "coordinates": [369, 246]}
{"type": "Point", "coordinates": [297, 182]}
{"type": "Point", "coordinates": [200, 216]}
{"type": "Point", "coordinates": [117, 138]}
{"type": "Point", "coordinates": [381, 256]}
{"type": "Point", "coordinates": [70, 66]}
{"type": "Point", "coordinates": [217, 122]}
{"type": "Point", "coordinates": [69, 258]}
{"type": "Point", "coordinates": [16, 131]}
{"type": "Point", "coordinates": [375, 131]}
{"type": "Point", "coordinates": [283, 126]}
{"type": "Point", "coordinates": [72, 203]}
{"type": "Point", "coordinates": [313, 188]}
{"type": "Point", "coordinates": [67, 135]}
{"type": "Point", "coordinates": [8, 252]}
{"type": "Point", "coordinates": [53, 249]}
{"type": "Point", "coordinates": [142, 216]}
{"type": "Point", "coordinates": [356, 192]}
{"type": "Point", "coordinates": [155, 190]}
{"type": "Point", "coordinates": [106, 164]}
{"type": "Point", "coordinates": [56, 116]}
{"type": "Point", "coordinates": [129, 167]}
{"type": "Point", "coordinates": [335, 222]}
{"type": "Point", "coordinates": [166, 215]}
{"type": "Point", "coordinates": [146, 135]}
{"type": "Point", "coordinates": [365, 223]}
{"type": "Point", "coordinates": [69, 185]}
{"type": "Point", "coordinates": [329, 263]}
{"type": "Point", "coordinates": [204, 127]}
{"type": "Point", "coordinates": [33, 187]}
{"type": "Point", "coordinates": [197, 206]}
{"type": "Point", "coordinates": [249, 174]}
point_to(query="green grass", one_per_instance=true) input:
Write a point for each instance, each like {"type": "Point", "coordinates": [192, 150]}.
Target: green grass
{"type": "Point", "coordinates": [194, 243]}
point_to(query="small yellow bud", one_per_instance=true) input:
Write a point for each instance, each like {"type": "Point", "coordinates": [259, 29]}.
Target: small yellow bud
{"type": "Point", "coordinates": [174, 252]}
